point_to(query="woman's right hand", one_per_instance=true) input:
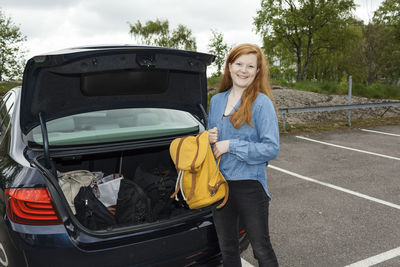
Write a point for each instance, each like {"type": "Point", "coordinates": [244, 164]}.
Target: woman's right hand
{"type": "Point", "coordinates": [213, 135]}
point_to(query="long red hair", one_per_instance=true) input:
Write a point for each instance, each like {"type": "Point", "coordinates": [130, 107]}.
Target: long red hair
{"type": "Point", "coordinates": [260, 84]}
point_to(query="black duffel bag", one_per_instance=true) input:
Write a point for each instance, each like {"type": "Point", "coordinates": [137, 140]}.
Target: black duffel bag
{"type": "Point", "coordinates": [158, 186]}
{"type": "Point", "coordinates": [90, 212]}
{"type": "Point", "coordinates": [133, 206]}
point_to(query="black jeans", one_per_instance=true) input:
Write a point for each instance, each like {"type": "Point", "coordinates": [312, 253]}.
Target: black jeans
{"type": "Point", "coordinates": [249, 202]}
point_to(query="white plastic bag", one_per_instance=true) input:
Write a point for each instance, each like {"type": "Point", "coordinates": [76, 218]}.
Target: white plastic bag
{"type": "Point", "coordinates": [109, 189]}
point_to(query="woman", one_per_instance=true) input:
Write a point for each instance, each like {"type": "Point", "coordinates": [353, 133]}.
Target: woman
{"type": "Point", "coordinates": [244, 132]}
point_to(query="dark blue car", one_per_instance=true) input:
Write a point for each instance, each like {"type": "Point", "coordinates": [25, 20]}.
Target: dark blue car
{"type": "Point", "coordinates": [112, 110]}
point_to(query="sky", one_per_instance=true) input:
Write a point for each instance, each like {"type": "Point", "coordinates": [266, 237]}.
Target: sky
{"type": "Point", "coordinates": [51, 25]}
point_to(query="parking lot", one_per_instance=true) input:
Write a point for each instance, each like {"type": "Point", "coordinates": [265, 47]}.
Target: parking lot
{"type": "Point", "coordinates": [336, 199]}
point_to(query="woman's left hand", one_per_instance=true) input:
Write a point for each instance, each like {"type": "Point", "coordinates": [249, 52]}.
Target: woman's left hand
{"type": "Point", "coordinates": [220, 148]}
{"type": "Point", "coordinates": [213, 135]}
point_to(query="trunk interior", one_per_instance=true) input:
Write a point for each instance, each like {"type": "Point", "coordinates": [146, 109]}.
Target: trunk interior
{"type": "Point", "coordinates": [152, 172]}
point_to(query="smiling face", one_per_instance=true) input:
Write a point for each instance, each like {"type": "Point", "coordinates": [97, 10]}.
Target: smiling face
{"type": "Point", "coordinates": [243, 70]}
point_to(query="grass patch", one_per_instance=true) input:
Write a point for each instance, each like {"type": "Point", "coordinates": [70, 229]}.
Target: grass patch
{"type": "Point", "coordinates": [6, 86]}
{"type": "Point", "coordinates": [375, 90]}
{"type": "Point", "coordinates": [337, 125]}
{"type": "Point", "coordinates": [282, 82]}
{"type": "Point", "coordinates": [321, 87]}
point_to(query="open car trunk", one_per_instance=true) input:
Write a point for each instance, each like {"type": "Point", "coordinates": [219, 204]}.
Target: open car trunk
{"type": "Point", "coordinates": [106, 97]}
{"type": "Point", "coordinates": [153, 174]}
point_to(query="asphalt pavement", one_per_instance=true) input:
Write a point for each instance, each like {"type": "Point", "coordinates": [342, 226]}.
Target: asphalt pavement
{"type": "Point", "coordinates": [336, 199]}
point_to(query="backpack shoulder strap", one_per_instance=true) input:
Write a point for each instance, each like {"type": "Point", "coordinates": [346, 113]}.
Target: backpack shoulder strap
{"type": "Point", "coordinates": [192, 169]}
{"type": "Point", "coordinates": [178, 150]}
{"type": "Point", "coordinates": [214, 188]}
{"type": "Point", "coordinates": [176, 165]}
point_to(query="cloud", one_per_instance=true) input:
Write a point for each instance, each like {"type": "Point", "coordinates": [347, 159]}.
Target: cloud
{"type": "Point", "coordinates": [50, 24]}
{"type": "Point", "coordinates": [39, 4]}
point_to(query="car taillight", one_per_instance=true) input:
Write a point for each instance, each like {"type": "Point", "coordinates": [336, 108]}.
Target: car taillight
{"type": "Point", "coordinates": [31, 206]}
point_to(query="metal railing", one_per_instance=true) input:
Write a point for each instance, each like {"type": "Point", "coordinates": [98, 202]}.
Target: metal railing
{"type": "Point", "coordinates": [284, 111]}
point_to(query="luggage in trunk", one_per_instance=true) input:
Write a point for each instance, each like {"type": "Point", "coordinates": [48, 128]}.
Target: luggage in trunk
{"type": "Point", "coordinates": [149, 178]}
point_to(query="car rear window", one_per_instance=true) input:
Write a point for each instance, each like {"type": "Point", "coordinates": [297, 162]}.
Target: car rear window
{"type": "Point", "coordinates": [116, 125]}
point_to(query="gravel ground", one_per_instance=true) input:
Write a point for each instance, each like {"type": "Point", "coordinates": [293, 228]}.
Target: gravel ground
{"type": "Point", "coordinates": [289, 98]}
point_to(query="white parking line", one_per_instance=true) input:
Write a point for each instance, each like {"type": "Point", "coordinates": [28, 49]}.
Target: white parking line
{"type": "Point", "coordinates": [245, 263]}
{"type": "Point", "coordinates": [369, 261]}
{"type": "Point", "coordinates": [378, 132]}
{"type": "Point", "coordinates": [380, 201]}
{"type": "Point", "coordinates": [377, 259]}
{"type": "Point", "coordinates": [348, 148]}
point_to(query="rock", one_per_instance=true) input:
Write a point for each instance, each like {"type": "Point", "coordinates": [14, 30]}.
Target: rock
{"type": "Point", "coordinates": [289, 98]}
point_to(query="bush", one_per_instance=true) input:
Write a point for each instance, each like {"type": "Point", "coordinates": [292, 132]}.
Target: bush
{"type": "Point", "coordinates": [375, 90]}
{"type": "Point", "coordinates": [282, 82]}
{"type": "Point", "coordinates": [213, 81]}
{"type": "Point", "coordinates": [310, 86]}
{"type": "Point", "coordinates": [6, 86]}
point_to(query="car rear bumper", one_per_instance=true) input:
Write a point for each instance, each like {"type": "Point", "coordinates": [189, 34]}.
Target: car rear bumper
{"type": "Point", "coordinates": [53, 246]}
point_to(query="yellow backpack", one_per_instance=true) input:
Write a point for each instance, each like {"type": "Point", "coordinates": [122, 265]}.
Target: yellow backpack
{"type": "Point", "coordinates": [199, 179]}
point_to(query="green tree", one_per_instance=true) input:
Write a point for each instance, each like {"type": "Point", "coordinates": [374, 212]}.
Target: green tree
{"type": "Point", "coordinates": [343, 57]}
{"type": "Point", "coordinates": [389, 14]}
{"type": "Point", "coordinates": [11, 51]}
{"type": "Point", "coordinates": [158, 33]}
{"type": "Point", "coordinates": [383, 43]}
{"type": "Point", "coordinates": [295, 31]}
{"type": "Point", "coordinates": [219, 48]}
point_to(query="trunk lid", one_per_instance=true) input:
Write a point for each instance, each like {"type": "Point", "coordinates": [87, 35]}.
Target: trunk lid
{"type": "Point", "coordinates": [88, 79]}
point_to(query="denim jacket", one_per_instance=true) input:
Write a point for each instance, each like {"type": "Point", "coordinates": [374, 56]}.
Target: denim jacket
{"type": "Point", "coordinates": [250, 148]}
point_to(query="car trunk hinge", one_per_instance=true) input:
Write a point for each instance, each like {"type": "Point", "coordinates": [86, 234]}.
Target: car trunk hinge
{"type": "Point", "coordinates": [203, 111]}
{"type": "Point", "coordinates": [45, 138]}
